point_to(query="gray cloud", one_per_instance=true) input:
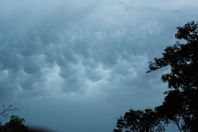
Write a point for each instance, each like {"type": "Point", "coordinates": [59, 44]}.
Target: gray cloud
{"type": "Point", "coordinates": [86, 54]}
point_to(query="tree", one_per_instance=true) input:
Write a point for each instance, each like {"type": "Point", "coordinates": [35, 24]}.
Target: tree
{"type": "Point", "coordinates": [140, 121]}
{"type": "Point", "coordinates": [182, 59]}
{"type": "Point", "coordinates": [172, 109]}
{"type": "Point", "coordinates": [180, 103]}
{"type": "Point", "coordinates": [15, 124]}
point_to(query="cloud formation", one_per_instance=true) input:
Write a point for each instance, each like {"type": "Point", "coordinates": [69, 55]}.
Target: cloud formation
{"type": "Point", "coordinates": [86, 50]}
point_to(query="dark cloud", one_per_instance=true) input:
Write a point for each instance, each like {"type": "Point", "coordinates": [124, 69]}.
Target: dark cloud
{"type": "Point", "coordinates": [89, 56]}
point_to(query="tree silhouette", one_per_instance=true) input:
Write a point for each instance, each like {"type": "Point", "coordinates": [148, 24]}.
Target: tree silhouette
{"type": "Point", "coordinates": [172, 109]}
{"type": "Point", "coordinates": [180, 104]}
{"type": "Point", "coordinates": [140, 121]}
{"type": "Point", "coordinates": [16, 124]}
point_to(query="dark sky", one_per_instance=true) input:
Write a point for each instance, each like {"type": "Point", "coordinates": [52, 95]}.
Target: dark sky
{"type": "Point", "coordinates": [75, 66]}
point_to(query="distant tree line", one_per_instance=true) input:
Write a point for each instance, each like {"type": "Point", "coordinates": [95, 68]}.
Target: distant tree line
{"type": "Point", "coordinates": [180, 105]}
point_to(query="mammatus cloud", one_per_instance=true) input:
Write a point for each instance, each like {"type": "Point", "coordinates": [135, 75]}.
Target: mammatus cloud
{"type": "Point", "coordinates": [89, 55]}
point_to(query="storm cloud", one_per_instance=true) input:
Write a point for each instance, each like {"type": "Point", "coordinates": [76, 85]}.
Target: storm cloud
{"type": "Point", "coordinates": [87, 58]}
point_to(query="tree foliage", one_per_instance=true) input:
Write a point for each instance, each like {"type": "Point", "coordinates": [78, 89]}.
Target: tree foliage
{"type": "Point", "coordinates": [139, 121]}
{"type": "Point", "coordinates": [15, 124]}
{"type": "Point", "coordinates": [180, 103]}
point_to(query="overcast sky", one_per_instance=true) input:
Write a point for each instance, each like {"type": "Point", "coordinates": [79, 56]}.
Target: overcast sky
{"type": "Point", "coordinates": [77, 65]}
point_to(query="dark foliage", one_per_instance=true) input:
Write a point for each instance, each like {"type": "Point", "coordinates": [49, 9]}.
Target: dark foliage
{"type": "Point", "coordinates": [16, 124]}
{"type": "Point", "coordinates": [180, 104]}
{"type": "Point", "coordinates": [139, 121]}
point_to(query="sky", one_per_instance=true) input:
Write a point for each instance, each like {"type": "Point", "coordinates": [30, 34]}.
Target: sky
{"type": "Point", "coordinates": [76, 66]}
